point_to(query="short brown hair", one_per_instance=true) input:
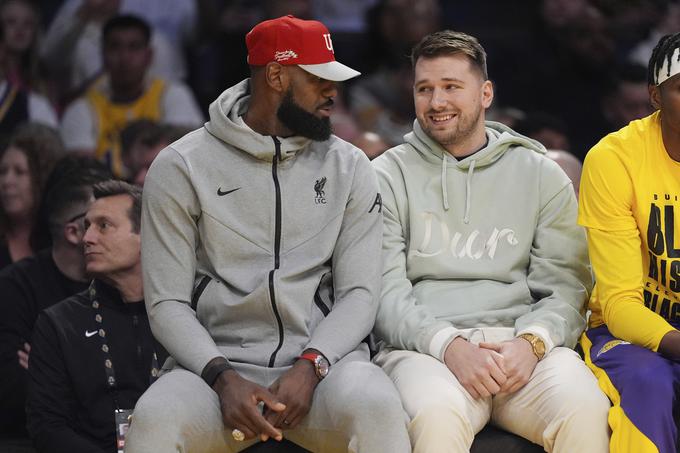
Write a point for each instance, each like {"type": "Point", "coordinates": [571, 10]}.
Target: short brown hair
{"type": "Point", "coordinates": [116, 187]}
{"type": "Point", "coordinates": [449, 42]}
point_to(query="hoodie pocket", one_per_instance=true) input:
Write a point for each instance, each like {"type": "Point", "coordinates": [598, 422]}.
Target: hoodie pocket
{"type": "Point", "coordinates": [324, 296]}
{"type": "Point", "coordinates": [198, 291]}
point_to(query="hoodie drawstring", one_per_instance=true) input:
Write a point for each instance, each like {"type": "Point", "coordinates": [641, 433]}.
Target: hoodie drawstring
{"type": "Point", "coordinates": [445, 195]}
{"type": "Point", "coordinates": [468, 192]}
{"type": "Point", "coordinates": [468, 189]}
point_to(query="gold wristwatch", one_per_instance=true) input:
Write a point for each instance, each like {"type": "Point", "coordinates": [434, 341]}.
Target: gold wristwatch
{"type": "Point", "coordinates": [536, 344]}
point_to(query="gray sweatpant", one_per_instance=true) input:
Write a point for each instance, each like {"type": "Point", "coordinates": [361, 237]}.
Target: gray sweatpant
{"type": "Point", "coordinates": [356, 408]}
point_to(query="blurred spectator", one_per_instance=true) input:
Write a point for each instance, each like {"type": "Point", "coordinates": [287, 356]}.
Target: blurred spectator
{"type": "Point", "coordinates": [141, 141]}
{"type": "Point", "coordinates": [21, 22]}
{"type": "Point", "coordinates": [570, 164]}
{"type": "Point", "coordinates": [18, 105]}
{"type": "Point", "coordinates": [222, 24]}
{"type": "Point", "coordinates": [382, 102]}
{"type": "Point", "coordinates": [38, 282]}
{"type": "Point", "coordinates": [24, 166]}
{"type": "Point", "coordinates": [302, 9]}
{"type": "Point", "coordinates": [343, 122]}
{"type": "Point", "coordinates": [562, 68]}
{"type": "Point", "coordinates": [72, 45]}
{"type": "Point", "coordinates": [395, 26]}
{"type": "Point", "coordinates": [371, 144]}
{"type": "Point", "coordinates": [219, 58]}
{"type": "Point", "coordinates": [668, 21]}
{"type": "Point", "coordinates": [347, 20]}
{"type": "Point", "coordinates": [549, 130]}
{"type": "Point", "coordinates": [342, 16]}
{"type": "Point", "coordinates": [629, 22]}
{"type": "Point", "coordinates": [93, 354]}
{"type": "Point", "coordinates": [626, 98]}
{"type": "Point", "coordinates": [509, 116]}
{"type": "Point", "coordinates": [92, 124]}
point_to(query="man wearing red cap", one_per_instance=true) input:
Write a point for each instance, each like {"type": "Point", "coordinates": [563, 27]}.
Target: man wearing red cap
{"type": "Point", "coordinates": [261, 251]}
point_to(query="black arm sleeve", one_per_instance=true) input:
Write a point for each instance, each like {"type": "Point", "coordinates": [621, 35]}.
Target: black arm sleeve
{"type": "Point", "coordinates": [16, 324]}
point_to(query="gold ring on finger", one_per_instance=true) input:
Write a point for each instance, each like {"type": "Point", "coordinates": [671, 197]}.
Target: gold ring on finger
{"type": "Point", "coordinates": [238, 435]}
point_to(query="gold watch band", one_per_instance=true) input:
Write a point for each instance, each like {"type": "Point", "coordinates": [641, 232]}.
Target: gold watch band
{"type": "Point", "coordinates": [536, 343]}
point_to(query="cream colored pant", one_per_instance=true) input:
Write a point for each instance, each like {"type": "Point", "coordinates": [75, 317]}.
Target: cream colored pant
{"type": "Point", "coordinates": [560, 408]}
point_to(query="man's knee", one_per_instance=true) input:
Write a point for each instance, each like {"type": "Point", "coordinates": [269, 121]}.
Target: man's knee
{"type": "Point", "coordinates": [577, 390]}
{"type": "Point", "coordinates": [156, 416]}
{"type": "Point", "coordinates": [154, 409]}
{"type": "Point", "coordinates": [587, 408]}
{"type": "Point", "coordinates": [174, 404]}
{"type": "Point", "coordinates": [654, 378]}
{"type": "Point", "coordinates": [366, 392]}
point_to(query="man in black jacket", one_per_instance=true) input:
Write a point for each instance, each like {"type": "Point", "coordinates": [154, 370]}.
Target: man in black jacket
{"type": "Point", "coordinates": [42, 280]}
{"type": "Point", "coordinates": [93, 354]}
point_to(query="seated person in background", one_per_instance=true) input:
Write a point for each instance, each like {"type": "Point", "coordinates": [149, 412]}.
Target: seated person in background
{"type": "Point", "coordinates": [24, 167]}
{"type": "Point", "coordinates": [92, 124]}
{"type": "Point", "coordinates": [35, 283]}
{"type": "Point", "coordinates": [371, 144]}
{"type": "Point", "coordinates": [545, 128]}
{"type": "Point", "coordinates": [626, 98]}
{"type": "Point", "coordinates": [261, 247]}
{"type": "Point", "coordinates": [21, 20]}
{"type": "Point", "coordinates": [19, 104]}
{"type": "Point", "coordinates": [485, 271]}
{"type": "Point", "coordinates": [141, 141]}
{"type": "Point", "coordinates": [630, 204]}
{"type": "Point", "coordinates": [570, 164]}
{"type": "Point", "coordinates": [93, 354]}
{"type": "Point", "coordinates": [71, 49]}
{"type": "Point", "coordinates": [381, 101]}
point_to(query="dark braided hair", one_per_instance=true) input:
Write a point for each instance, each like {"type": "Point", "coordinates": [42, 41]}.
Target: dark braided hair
{"type": "Point", "coordinates": [662, 52]}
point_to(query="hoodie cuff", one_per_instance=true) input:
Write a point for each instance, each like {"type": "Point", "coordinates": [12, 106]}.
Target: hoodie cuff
{"type": "Point", "coordinates": [541, 333]}
{"type": "Point", "coordinates": [441, 340]}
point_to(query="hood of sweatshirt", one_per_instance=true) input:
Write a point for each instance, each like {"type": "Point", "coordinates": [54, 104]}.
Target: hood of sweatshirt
{"type": "Point", "coordinates": [225, 124]}
{"type": "Point", "coordinates": [500, 138]}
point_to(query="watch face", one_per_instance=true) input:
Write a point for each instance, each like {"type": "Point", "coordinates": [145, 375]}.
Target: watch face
{"type": "Point", "coordinates": [322, 366]}
{"type": "Point", "coordinates": [540, 348]}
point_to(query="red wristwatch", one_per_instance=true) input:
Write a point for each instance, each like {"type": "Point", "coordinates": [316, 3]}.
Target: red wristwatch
{"type": "Point", "coordinates": [321, 365]}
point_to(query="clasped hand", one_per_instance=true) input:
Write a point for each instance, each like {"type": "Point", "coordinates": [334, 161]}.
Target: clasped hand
{"type": "Point", "coordinates": [286, 401]}
{"type": "Point", "coordinates": [491, 368]}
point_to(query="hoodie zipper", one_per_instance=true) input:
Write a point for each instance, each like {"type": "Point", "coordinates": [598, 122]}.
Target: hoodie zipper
{"type": "Point", "coordinates": [277, 248]}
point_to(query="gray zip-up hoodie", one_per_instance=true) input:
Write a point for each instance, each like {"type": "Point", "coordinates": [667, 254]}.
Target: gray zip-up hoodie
{"type": "Point", "coordinates": [488, 240]}
{"type": "Point", "coordinates": [257, 247]}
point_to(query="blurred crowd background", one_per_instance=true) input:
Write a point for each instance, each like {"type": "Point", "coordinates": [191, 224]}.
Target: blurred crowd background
{"type": "Point", "coordinates": [81, 77]}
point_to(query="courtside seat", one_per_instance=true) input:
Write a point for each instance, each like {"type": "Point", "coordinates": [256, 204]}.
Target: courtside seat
{"type": "Point", "coordinates": [489, 440]}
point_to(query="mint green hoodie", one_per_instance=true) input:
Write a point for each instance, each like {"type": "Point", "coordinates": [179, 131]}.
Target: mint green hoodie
{"type": "Point", "coordinates": [488, 240]}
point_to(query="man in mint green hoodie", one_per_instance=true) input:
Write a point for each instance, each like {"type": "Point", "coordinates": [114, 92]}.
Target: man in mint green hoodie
{"type": "Point", "coordinates": [485, 271]}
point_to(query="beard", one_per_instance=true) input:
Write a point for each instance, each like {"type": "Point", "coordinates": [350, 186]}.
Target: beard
{"type": "Point", "coordinates": [301, 122]}
{"type": "Point", "coordinates": [464, 128]}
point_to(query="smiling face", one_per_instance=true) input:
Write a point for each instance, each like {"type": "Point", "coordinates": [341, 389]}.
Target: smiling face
{"type": "Point", "coordinates": [16, 191]}
{"type": "Point", "coordinates": [111, 245]}
{"type": "Point", "coordinates": [450, 97]}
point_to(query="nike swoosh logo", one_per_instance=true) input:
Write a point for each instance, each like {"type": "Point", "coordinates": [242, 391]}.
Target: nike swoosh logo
{"type": "Point", "coordinates": [88, 334]}
{"type": "Point", "coordinates": [221, 194]}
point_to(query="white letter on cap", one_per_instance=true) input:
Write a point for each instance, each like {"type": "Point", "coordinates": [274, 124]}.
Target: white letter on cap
{"type": "Point", "coordinates": [329, 43]}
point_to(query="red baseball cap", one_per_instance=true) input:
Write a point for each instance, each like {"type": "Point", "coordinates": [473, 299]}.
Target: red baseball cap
{"type": "Point", "coordinates": [292, 41]}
